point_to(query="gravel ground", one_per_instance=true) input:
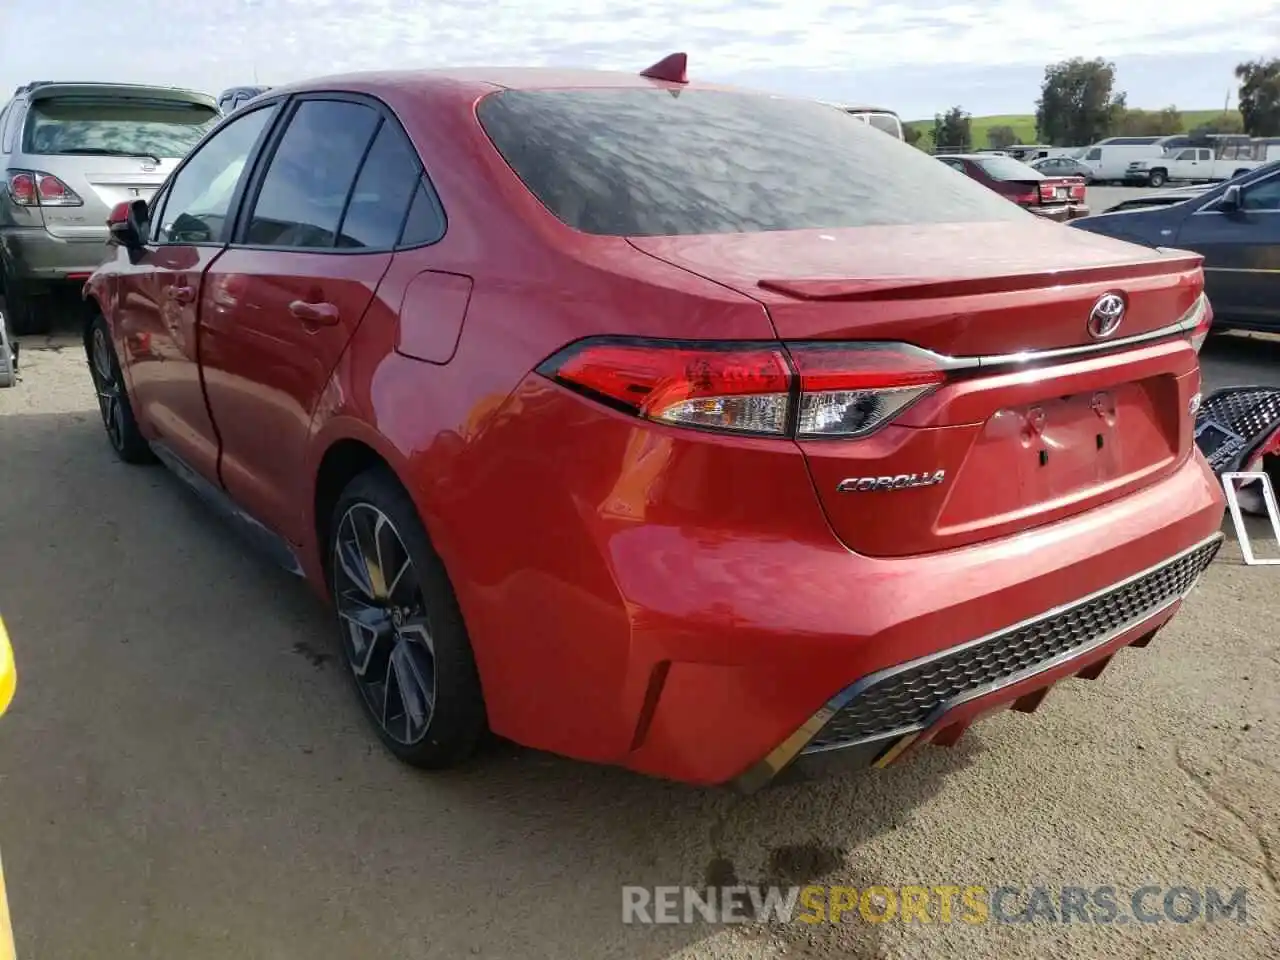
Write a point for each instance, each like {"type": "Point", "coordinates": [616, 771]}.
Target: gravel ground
{"type": "Point", "coordinates": [185, 774]}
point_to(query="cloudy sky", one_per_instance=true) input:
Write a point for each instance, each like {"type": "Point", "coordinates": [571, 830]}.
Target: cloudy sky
{"type": "Point", "coordinates": [918, 56]}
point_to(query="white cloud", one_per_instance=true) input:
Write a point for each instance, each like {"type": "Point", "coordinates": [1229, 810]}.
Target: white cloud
{"type": "Point", "coordinates": [215, 43]}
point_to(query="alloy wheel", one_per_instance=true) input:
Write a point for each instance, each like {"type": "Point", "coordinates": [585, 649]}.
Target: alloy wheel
{"type": "Point", "coordinates": [385, 630]}
{"type": "Point", "coordinates": [107, 384]}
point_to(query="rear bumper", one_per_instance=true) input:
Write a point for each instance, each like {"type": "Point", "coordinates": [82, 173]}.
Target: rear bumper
{"type": "Point", "coordinates": [677, 604]}
{"type": "Point", "coordinates": [934, 699]}
{"type": "Point", "coordinates": [868, 619]}
{"type": "Point", "coordinates": [37, 258]}
{"type": "Point", "coordinates": [1060, 213]}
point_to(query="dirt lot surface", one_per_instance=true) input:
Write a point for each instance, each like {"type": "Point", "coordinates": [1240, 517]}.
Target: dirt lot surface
{"type": "Point", "coordinates": [185, 774]}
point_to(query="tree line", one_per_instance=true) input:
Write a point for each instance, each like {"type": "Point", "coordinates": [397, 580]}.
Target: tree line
{"type": "Point", "coordinates": [1079, 105]}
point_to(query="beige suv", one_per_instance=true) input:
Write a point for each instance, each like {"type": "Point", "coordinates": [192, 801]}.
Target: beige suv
{"type": "Point", "coordinates": [70, 152]}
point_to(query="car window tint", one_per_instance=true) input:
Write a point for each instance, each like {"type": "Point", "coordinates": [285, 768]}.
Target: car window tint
{"type": "Point", "coordinates": [107, 126]}
{"type": "Point", "coordinates": [653, 162]}
{"type": "Point", "coordinates": [306, 186]}
{"type": "Point", "coordinates": [200, 194]}
{"type": "Point", "coordinates": [1094, 154]}
{"type": "Point", "coordinates": [425, 223]}
{"type": "Point", "coordinates": [9, 126]}
{"type": "Point", "coordinates": [1262, 196]}
{"type": "Point", "coordinates": [1007, 168]}
{"type": "Point", "coordinates": [886, 122]}
{"type": "Point", "coordinates": [383, 192]}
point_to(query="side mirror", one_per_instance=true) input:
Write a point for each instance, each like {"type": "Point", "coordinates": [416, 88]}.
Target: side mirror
{"type": "Point", "coordinates": [126, 224]}
{"type": "Point", "coordinates": [1231, 201]}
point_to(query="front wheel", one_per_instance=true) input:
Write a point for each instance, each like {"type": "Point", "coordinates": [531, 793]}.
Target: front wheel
{"type": "Point", "coordinates": [402, 634]}
{"type": "Point", "coordinates": [113, 397]}
{"type": "Point", "coordinates": [1157, 178]}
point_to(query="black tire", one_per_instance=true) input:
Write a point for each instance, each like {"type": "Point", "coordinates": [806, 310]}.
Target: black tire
{"type": "Point", "coordinates": [1157, 178]}
{"type": "Point", "coordinates": [400, 628]}
{"type": "Point", "coordinates": [27, 316]}
{"type": "Point", "coordinates": [113, 396]}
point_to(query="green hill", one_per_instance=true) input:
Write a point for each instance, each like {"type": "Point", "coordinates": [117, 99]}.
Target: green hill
{"type": "Point", "coordinates": [1024, 125]}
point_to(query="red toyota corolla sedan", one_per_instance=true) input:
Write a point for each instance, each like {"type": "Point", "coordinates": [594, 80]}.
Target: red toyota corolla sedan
{"type": "Point", "coordinates": [657, 424]}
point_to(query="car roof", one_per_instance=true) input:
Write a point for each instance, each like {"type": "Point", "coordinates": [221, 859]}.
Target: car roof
{"type": "Point", "coordinates": [477, 81]}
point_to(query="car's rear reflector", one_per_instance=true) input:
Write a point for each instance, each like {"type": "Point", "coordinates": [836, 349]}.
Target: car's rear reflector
{"type": "Point", "coordinates": [34, 188]}
{"type": "Point", "coordinates": [806, 390]}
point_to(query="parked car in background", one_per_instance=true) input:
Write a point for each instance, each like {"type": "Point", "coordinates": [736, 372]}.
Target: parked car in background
{"type": "Point", "coordinates": [1063, 167]}
{"type": "Point", "coordinates": [70, 152]}
{"type": "Point", "coordinates": [1030, 152]}
{"type": "Point", "coordinates": [1161, 198]}
{"type": "Point", "coordinates": [884, 120]}
{"type": "Point", "coordinates": [1235, 226]}
{"type": "Point", "coordinates": [233, 98]}
{"type": "Point", "coordinates": [692, 434]}
{"type": "Point", "coordinates": [1188, 165]}
{"type": "Point", "coordinates": [1053, 197]}
{"type": "Point", "coordinates": [1110, 158]}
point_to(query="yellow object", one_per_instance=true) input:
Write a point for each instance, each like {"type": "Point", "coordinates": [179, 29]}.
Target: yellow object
{"type": "Point", "coordinates": [8, 673]}
{"type": "Point", "coordinates": [8, 680]}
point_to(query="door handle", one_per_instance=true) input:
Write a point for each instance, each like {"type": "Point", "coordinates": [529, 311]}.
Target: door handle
{"type": "Point", "coordinates": [181, 294]}
{"type": "Point", "coordinates": [323, 314]}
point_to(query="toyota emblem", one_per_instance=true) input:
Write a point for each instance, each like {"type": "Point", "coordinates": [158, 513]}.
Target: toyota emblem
{"type": "Point", "coordinates": [1105, 317]}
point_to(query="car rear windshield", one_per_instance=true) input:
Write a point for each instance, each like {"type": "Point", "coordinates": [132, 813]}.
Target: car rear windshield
{"type": "Point", "coordinates": [1007, 168]}
{"type": "Point", "coordinates": [111, 126]}
{"type": "Point", "coordinates": [658, 162]}
{"type": "Point", "coordinates": [886, 122]}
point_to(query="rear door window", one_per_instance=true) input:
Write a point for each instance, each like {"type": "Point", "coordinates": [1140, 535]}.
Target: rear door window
{"type": "Point", "coordinates": [653, 162]}
{"type": "Point", "coordinates": [310, 178]}
{"type": "Point", "coordinates": [107, 126]}
{"type": "Point", "coordinates": [383, 191]}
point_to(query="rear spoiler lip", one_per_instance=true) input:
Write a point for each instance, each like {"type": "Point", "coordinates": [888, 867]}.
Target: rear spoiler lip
{"type": "Point", "coordinates": [855, 289]}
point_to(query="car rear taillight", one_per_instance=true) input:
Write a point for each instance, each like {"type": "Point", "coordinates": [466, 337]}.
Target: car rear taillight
{"type": "Point", "coordinates": [34, 188]}
{"type": "Point", "coordinates": [804, 390]}
{"type": "Point", "coordinates": [1047, 192]}
{"type": "Point", "coordinates": [849, 390]}
{"type": "Point", "coordinates": [22, 188]}
{"type": "Point", "coordinates": [1078, 190]}
{"type": "Point", "coordinates": [1197, 321]}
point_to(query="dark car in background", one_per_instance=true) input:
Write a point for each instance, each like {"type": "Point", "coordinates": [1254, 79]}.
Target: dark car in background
{"type": "Point", "coordinates": [1235, 226]}
{"type": "Point", "coordinates": [233, 98]}
{"type": "Point", "coordinates": [1055, 198]}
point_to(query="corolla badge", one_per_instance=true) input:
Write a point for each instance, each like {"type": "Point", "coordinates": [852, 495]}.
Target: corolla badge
{"type": "Point", "coordinates": [902, 481]}
{"type": "Point", "coordinates": [1105, 317]}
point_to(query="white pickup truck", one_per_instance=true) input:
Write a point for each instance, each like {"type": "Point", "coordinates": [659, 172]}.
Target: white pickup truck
{"type": "Point", "coordinates": [1188, 164]}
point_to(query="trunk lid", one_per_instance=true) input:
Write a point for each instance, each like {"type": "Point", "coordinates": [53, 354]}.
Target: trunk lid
{"type": "Point", "coordinates": [1001, 446]}
{"type": "Point", "coordinates": [101, 182]}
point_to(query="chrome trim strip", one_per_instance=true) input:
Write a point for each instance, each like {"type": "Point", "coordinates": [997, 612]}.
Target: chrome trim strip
{"type": "Point", "coordinates": [1181, 327]}
{"type": "Point", "coordinates": [1240, 269]}
{"type": "Point", "coordinates": [791, 748]}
